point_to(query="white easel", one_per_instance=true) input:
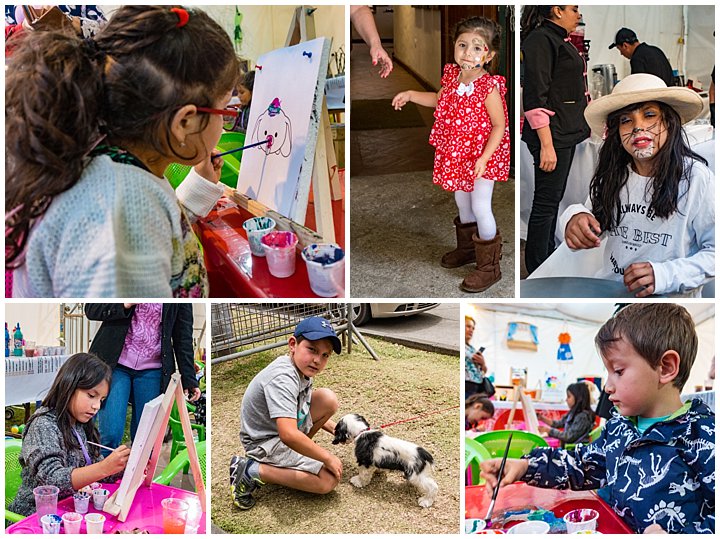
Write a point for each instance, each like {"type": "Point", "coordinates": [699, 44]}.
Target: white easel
{"type": "Point", "coordinates": [325, 179]}
{"type": "Point", "coordinates": [144, 456]}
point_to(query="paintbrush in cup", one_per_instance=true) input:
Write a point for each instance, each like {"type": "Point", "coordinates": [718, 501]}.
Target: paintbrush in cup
{"type": "Point", "coordinates": [499, 479]}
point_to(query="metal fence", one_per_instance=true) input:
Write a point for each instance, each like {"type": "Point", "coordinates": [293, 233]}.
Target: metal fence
{"type": "Point", "coordinates": [241, 329]}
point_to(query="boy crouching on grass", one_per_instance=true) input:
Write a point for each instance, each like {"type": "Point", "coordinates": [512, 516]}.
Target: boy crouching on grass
{"type": "Point", "coordinates": [281, 413]}
{"type": "Point", "coordinates": [656, 455]}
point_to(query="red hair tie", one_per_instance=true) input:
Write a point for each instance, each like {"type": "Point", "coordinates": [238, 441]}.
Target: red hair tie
{"type": "Point", "coordinates": [183, 16]}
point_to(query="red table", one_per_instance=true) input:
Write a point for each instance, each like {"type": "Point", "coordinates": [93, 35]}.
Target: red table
{"type": "Point", "coordinates": [232, 269]}
{"type": "Point", "coordinates": [560, 502]}
{"type": "Point", "coordinates": [145, 513]}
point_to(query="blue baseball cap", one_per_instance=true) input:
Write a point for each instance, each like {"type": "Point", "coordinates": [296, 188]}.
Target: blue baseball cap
{"type": "Point", "coordinates": [316, 328]}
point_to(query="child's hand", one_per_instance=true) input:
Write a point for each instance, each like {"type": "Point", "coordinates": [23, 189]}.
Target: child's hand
{"type": "Point", "coordinates": [116, 461]}
{"type": "Point", "coordinates": [640, 274]}
{"type": "Point", "coordinates": [210, 167]}
{"type": "Point", "coordinates": [334, 465]}
{"type": "Point", "coordinates": [582, 232]}
{"type": "Point", "coordinates": [514, 470]}
{"type": "Point", "coordinates": [400, 100]}
{"type": "Point", "coordinates": [654, 528]}
{"type": "Point", "coordinates": [544, 428]}
{"type": "Point", "coordinates": [480, 168]}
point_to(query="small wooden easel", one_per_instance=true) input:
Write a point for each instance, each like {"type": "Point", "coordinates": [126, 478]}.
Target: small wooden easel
{"type": "Point", "coordinates": [325, 179]}
{"type": "Point", "coordinates": [146, 450]}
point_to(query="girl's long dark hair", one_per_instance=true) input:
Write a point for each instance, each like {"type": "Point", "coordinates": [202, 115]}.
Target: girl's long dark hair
{"type": "Point", "coordinates": [63, 93]}
{"type": "Point", "coordinates": [80, 371]}
{"type": "Point", "coordinates": [532, 17]}
{"type": "Point", "coordinates": [672, 164]}
{"type": "Point", "coordinates": [581, 394]}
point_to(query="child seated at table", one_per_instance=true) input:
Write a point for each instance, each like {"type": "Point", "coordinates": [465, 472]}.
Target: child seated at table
{"type": "Point", "coordinates": [280, 414]}
{"type": "Point", "coordinates": [577, 423]}
{"type": "Point", "coordinates": [55, 449]}
{"type": "Point", "coordinates": [656, 455]}
{"type": "Point", "coordinates": [478, 408]}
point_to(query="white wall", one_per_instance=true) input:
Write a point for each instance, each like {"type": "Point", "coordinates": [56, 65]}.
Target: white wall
{"type": "Point", "coordinates": [491, 328]}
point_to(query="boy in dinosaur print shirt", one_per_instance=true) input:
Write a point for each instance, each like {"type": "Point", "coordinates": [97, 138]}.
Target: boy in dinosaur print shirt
{"type": "Point", "coordinates": [656, 455]}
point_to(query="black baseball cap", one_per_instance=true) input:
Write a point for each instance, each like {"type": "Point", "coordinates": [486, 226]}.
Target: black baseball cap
{"type": "Point", "coordinates": [316, 328]}
{"type": "Point", "coordinates": [624, 35]}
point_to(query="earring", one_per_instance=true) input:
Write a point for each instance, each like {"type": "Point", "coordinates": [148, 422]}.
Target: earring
{"type": "Point", "coordinates": [182, 144]}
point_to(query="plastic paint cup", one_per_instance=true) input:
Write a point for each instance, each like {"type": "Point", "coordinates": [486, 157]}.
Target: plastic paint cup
{"type": "Point", "coordinates": [72, 522]}
{"type": "Point", "coordinates": [175, 512]}
{"type": "Point", "coordinates": [94, 523]}
{"type": "Point", "coordinates": [580, 520]}
{"type": "Point", "coordinates": [46, 498]}
{"type": "Point", "coordinates": [474, 525]}
{"type": "Point", "coordinates": [255, 229]}
{"type": "Point", "coordinates": [531, 526]}
{"type": "Point", "coordinates": [100, 496]}
{"type": "Point", "coordinates": [326, 268]}
{"type": "Point", "coordinates": [492, 531]}
{"type": "Point", "coordinates": [50, 523]}
{"type": "Point", "coordinates": [280, 252]}
{"type": "Point", "coordinates": [82, 502]}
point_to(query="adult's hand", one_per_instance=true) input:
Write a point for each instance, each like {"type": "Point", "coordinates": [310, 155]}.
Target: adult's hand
{"type": "Point", "coordinates": [548, 158]}
{"type": "Point", "coordinates": [379, 56]}
{"type": "Point", "coordinates": [192, 395]}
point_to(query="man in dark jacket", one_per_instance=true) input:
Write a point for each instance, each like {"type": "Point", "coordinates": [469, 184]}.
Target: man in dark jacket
{"type": "Point", "coordinates": [643, 58]}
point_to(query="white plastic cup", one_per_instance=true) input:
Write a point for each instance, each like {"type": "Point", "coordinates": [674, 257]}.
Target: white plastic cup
{"type": "Point", "coordinates": [82, 502]}
{"type": "Point", "coordinates": [94, 523]}
{"type": "Point", "coordinates": [579, 520]}
{"type": "Point", "coordinates": [46, 498]}
{"type": "Point", "coordinates": [72, 522]}
{"type": "Point", "coordinates": [100, 496]}
{"type": "Point", "coordinates": [280, 252]}
{"type": "Point", "coordinates": [474, 525]}
{"type": "Point", "coordinates": [531, 526]}
{"type": "Point", "coordinates": [175, 514]}
{"type": "Point", "coordinates": [50, 523]}
{"type": "Point", "coordinates": [256, 228]}
{"type": "Point", "coordinates": [326, 268]}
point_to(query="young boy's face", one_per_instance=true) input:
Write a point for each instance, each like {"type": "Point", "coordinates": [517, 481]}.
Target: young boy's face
{"type": "Point", "coordinates": [310, 357]}
{"type": "Point", "coordinates": [632, 384]}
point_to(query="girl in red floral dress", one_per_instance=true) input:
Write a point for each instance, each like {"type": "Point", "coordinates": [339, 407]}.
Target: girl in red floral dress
{"type": "Point", "coordinates": [472, 146]}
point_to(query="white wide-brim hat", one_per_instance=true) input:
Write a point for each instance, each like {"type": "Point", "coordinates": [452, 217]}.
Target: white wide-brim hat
{"type": "Point", "coordinates": [639, 88]}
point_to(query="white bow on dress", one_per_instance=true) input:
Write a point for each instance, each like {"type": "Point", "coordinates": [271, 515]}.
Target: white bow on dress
{"type": "Point", "coordinates": [466, 89]}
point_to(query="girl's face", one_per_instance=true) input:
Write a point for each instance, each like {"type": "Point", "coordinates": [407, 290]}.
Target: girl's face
{"type": "Point", "coordinates": [469, 330]}
{"type": "Point", "coordinates": [643, 132]}
{"type": "Point", "coordinates": [244, 95]}
{"type": "Point", "coordinates": [85, 403]}
{"type": "Point", "coordinates": [476, 413]}
{"type": "Point", "coordinates": [568, 17]}
{"type": "Point", "coordinates": [570, 399]}
{"type": "Point", "coordinates": [471, 51]}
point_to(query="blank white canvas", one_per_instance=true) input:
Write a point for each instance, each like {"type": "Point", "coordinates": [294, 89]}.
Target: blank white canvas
{"type": "Point", "coordinates": [282, 106]}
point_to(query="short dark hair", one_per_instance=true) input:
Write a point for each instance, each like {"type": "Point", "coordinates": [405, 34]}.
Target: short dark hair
{"type": "Point", "coordinates": [652, 329]}
{"type": "Point", "coordinates": [479, 398]}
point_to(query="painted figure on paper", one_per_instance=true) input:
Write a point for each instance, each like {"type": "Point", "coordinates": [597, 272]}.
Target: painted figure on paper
{"type": "Point", "coordinates": [275, 125]}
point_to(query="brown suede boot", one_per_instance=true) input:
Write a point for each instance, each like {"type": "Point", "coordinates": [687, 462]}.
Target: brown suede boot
{"type": "Point", "coordinates": [464, 253]}
{"type": "Point", "coordinates": [488, 254]}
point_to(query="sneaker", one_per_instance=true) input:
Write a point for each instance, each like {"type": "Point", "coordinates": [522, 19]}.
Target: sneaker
{"type": "Point", "coordinates": [233, 468]}
{"type": "Point", "coordinates": [243, 485]}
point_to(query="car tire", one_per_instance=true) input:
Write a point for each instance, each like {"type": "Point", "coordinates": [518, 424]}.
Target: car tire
{"type": "Point", "coordinates": [361, 313]}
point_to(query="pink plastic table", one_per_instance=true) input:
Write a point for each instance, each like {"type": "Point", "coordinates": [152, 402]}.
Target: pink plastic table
{"type": "Point", "coordinates": [145, 513]}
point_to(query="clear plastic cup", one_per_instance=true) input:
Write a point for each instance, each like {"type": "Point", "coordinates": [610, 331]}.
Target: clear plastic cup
{"type": "Point", "coordinates": [326, 269]}
{"type": "Point", "coordinates": [100, 496]}
{"type": "Point", "coordinates": [46, 498]}
{"type": "Point", "coordinates": [72, 522]}
{"type": "Point", "coordinates": [175, 513]}
{"type": "Point", "coordinates": [94, 523]}
{"type": "Point", "coordinates": [280, 252]}
{"type": "Point", "coordinates": [256, 228]}
{"type": "Point", "coordinates": [50, 523]}
{"type": "Point", "coordinates": [82, 502]}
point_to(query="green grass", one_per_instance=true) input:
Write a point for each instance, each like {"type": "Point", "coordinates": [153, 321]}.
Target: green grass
{"type": "Point", "coordinates": [405, 383]}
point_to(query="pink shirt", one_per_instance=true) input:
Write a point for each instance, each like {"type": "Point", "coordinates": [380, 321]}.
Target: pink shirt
{"type": "Point", "coordinates": [143, 340]}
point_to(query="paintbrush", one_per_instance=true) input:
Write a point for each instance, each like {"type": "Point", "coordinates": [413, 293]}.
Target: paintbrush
{"type": "Point", "coordinates": [101, 446]}
{"type": "Point", "coordinates": [267, 141]}
{"type": "Point", "coordinates": [499, 479]}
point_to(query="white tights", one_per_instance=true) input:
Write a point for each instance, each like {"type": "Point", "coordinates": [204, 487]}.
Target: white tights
{"type": "Point", "coordinates": [477, 207]}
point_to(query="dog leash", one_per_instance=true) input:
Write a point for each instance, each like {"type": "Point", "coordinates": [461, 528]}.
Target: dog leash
{"type": "Point", "coordinates": [418, 417]}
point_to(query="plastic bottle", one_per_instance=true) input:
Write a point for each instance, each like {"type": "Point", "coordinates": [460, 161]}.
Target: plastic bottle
{"type": "Point", "coordinates": [18, 341]}
{"type": "Point", "coordinates": [7, 341]}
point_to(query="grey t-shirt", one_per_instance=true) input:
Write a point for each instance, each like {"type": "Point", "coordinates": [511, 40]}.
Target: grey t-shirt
{"type": "Point", "coordinates": [279, 390]}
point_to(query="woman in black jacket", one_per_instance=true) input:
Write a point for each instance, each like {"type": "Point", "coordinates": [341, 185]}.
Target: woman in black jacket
{"type": "Point", "coordinates": [144, 344]}
{"type": "Point", "coordinates": [555, 95]}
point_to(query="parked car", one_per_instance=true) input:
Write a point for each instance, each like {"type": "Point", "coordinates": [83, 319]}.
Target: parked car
{"type": "Point", "coordinates": [363, 312]}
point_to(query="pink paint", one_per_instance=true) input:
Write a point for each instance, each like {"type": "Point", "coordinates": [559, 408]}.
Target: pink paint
{"type": "Point", "coordinates": [279, 239]}
{"type": "Point", "coordinates": [269, 141]}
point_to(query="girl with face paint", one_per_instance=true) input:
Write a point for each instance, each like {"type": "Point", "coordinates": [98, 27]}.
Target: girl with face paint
{"type": "Point", "coordinates": [651, 196]}
{"type": "Point", "coordinates": [472, 146]}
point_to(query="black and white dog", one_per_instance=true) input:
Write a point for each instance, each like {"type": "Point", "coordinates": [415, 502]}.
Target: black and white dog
{"type": "Point", "coordinates": [373, 450]}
